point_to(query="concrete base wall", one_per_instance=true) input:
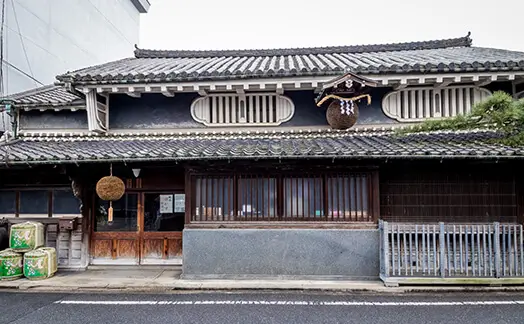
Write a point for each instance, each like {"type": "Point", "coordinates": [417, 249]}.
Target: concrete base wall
{"type": "Point", "coordinates": [237, 253]}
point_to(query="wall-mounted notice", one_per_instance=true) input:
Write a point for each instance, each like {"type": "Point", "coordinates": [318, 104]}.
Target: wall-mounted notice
{"type": "Point", "coordinates": [180, 203]}
{"type": "Point", "coordinates": [166, 204]}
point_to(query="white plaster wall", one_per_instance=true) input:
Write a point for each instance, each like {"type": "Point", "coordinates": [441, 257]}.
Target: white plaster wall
{"type": "Point", "coordinates": [64, 35]}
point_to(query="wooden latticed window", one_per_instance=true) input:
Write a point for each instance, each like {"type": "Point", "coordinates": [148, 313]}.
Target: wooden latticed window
{"type": "Point", "coordinates": [261, 197]}
{"type": "Point", "coordinates": [418, 104]}
{"type": "Point", "coordinates": [451, 196]}
{"type": "Point", "coordinates": [262, 109]}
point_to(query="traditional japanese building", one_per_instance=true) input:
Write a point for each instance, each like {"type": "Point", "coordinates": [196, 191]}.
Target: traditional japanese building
{"type": "Point", "coordinates": [261, 162]}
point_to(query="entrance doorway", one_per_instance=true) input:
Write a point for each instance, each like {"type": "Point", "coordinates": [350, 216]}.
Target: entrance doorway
{"type": "Point", "coordinates": [146, 229]}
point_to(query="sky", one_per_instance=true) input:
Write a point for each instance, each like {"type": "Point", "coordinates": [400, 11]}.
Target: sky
{"type": "Point", "coordinates": [245, 24]}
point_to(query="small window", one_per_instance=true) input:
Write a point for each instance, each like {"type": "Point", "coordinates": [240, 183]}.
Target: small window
{"type": "Point", "coordinates": [65, 203]}
{"type": "Point", "coordinates": [262, 109]}
{"type": "Point", "coordinates": [7, 202]}
{"type": "Point", "coordinates": [34, 202]}
{"type": "Point", "coordinates": [125, 213]}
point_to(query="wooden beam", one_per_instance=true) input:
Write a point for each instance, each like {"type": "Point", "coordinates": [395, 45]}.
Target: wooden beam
{"type": "Point", "coordinates": [400, 86]}
{"type": "Point", "coordinates": [131, 92]}
{"type": "Point", "coordinates": [312, 83]}
{"type": "Point", "coordinates": [168, 93]}
{"type": "Point", "coordinates": [485, 82]}
{"type": "Point", "coordinates": [443, 84]}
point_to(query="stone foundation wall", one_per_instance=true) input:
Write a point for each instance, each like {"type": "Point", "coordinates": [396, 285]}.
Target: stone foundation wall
{"type": "Point", "coordinates": [236, 253]}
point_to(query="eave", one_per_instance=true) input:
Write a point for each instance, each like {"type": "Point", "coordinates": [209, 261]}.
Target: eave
{"type": "Point", "coordinates": [296, 83]}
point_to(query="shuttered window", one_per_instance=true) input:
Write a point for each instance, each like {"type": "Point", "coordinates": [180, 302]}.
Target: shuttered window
{"type": "Point", "coordinates": [264, 109]}
{"type": "Point", "coordinates": [418, 104]}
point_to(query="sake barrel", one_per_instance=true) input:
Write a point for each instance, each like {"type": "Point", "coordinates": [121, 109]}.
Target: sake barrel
{"type": "Point", "coordinates": [26, 236]}
{"type": "Point", "coordinates": [53, 257]}
{"type": "Point", "coordinates": [10, 265]}
{"type": "Point", "coordinates": [40, 264]}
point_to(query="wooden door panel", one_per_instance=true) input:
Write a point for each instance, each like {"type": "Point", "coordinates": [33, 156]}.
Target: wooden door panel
{"type": "Point", "coordinates": [102, 249]}
{"type": "Point", "coordinates": [161, 248]}
{"type": "Point", "coordinates": [175, 247]}
{"type": "Point", "coordinates": [153, 249]}
{"type": "Point", "coordinates": [126, 249]}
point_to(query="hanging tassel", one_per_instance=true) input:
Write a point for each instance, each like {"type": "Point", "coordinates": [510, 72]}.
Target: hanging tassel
{"type": "Point", "coordinates": [110, 213]}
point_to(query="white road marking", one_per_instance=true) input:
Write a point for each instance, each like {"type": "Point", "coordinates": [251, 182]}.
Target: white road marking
{"type": "Point", "coordinates": [284, 302]}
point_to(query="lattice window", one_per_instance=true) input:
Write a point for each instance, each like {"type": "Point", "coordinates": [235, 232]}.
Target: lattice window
{"type": "Point", "coordinates": [418, 104]}
{"type": "Point", "coordinates": [264, 109]}
{"type": "Point", "coordinates": [264, 197]}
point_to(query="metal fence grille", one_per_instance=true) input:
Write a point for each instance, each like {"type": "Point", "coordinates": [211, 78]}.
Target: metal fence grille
{"type": "Point", "coordinates": [451, 250]}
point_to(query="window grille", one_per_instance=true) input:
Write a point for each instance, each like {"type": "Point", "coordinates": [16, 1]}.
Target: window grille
{"type": "Point", "coordinates": [264, 109]}
{"type": "Point", "coordinates": [418, 104]}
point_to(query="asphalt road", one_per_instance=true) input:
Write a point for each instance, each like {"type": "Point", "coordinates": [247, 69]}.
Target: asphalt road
{"type": "Point", "coordinates": [263, 307]}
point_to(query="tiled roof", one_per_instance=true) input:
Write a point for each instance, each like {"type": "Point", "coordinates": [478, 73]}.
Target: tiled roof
{"type": "Point", "coordinates": [451, 55]}
{"type": "Point", "coordinates": [259, 145]}
{"type": "Point", "coordinates": [46, 96]}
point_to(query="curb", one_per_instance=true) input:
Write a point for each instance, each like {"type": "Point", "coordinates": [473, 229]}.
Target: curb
{"type": "Point", "coordinates": [235, 287]}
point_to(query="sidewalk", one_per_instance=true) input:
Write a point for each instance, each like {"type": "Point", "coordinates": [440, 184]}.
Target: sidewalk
{"type": "Point", "coordinates": [156, 280]}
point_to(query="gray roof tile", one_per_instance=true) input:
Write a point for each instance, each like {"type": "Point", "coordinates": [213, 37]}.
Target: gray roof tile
{"type": "Point", "coordinates": [451, 55]}
{"type": "Point", "coordinates": [46, 96]}
{"type": "Point", "coordinates": [286, 145]}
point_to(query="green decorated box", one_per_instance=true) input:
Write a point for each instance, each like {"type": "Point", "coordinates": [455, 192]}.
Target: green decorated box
{"type": "Point", "coordinates": [11, 265]}
{"type": "Point", "coordinates": [26, 236]}
{"type": "Point", "coordinates": [40, 263]}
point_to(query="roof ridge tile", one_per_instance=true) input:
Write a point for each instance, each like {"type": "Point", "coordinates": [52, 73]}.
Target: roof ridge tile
{"type": "Point", "coordinates": [465, 41]}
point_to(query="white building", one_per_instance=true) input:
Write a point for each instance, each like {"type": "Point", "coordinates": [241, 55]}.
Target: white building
{"type": "Point", "coordinates": [43, 38]}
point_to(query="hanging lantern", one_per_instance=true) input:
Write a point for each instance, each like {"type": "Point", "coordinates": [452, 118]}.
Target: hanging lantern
{"type": "Point", "coordinates": [110, 188]}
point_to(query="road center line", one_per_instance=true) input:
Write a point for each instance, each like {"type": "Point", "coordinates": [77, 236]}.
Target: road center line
{"type": "Point", "coordinates": [283, 302]}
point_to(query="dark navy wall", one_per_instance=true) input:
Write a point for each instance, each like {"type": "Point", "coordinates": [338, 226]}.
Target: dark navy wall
{"type": "Point", "coordinates": [66, 119]}
{"type": "Point", "coordinates": [151, 111]}
{"type": "Point", "coordinates": [155, 111]}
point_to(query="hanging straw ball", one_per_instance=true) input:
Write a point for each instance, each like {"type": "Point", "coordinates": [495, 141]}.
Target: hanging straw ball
{"type": "Point", "coordinates": [110, 188]}
{"type": "Point", "coordinates": [337, 120]}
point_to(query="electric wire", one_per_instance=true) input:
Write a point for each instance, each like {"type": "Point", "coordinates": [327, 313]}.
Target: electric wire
{"type": "Point", "coordinates": [2, 20]}
{"type": "Point", "coordinates": [23, 45]}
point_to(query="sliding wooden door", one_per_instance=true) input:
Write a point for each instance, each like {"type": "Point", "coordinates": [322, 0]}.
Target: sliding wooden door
{"type": "Point", "coordinates": [146, 229]}
{"type": "Point", "coordinates": [117, 242]}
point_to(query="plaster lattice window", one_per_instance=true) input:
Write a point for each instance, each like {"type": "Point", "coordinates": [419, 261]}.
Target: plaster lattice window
{"type": "Point", "coordinates": [260, 109]}
{"type": "Point", "coordinates": [417, 104]}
